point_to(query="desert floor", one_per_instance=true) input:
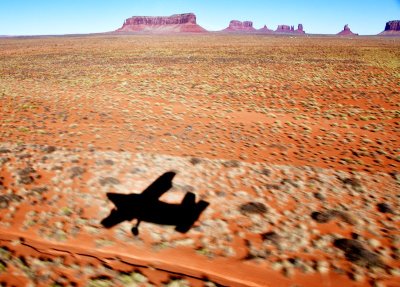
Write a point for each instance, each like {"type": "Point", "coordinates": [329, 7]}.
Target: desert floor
{"type": "Point", "coordinates": [293, 142]}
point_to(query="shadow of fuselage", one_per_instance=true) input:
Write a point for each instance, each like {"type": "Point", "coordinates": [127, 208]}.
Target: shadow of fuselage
{"type": "Point", "coordinates": [147, 207]}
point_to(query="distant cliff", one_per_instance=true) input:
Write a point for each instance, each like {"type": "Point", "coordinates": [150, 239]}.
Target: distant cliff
{"type": "Point", "coordinates": [187, 23]}
{"type": "Point", "coordinates": [178, 23]}
{"type": "Point", "coordinates": [392, 28]}
{"type": "Point", "coordinates": [247, 26]}
{"type": "Point", "coordinates": [235, 25]}
{"type": "Point", "coordinates": [286, 29]}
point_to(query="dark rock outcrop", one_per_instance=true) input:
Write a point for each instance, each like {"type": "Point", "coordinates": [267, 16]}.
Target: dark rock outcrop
{"type": "Point", "coordinates": [330, 214]}
{"type": "Point", "coordinates": [346, 31]}
{"type": "Point", "coordinates": [238, 26]}
{"type": "Point", "coordinates": [173, 24]}
{"type": "Point", "coordinates": [356, 253]}
{"type": "Point", "coordinates": [392, 28]}
{"type": "Point", "coordinates": [253, 207]}
{"type": "Point", "coordinates": [384, 208]}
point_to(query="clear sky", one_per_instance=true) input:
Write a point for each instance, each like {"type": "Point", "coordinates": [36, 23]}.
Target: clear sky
{"type": "Point", "coordinates": [43, 17]}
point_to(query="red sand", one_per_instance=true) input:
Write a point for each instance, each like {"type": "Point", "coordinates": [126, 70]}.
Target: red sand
{"type": "Point", "coordinates": [296, 125]}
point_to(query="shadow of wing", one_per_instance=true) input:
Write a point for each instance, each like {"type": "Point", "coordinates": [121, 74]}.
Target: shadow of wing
{"type": "Point", "coordinates": [120, 200]}
{"type": "Point", "coordinates": [160, 186]}
{"type": "Point", "coordinates": [125, 208]}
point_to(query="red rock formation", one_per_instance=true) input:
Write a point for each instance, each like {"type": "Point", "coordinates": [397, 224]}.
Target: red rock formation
{"type": "Point", "coordinates": [238, 26]}
{"type": "Point", "coordinates": [286, 29]}
{"type": "Point", "coordinates": [265, 30]}
{"type": "Point", "coordinates": [392, 28]}
{"type": "Point", "coordinates": [300, 29]}
{"type": "Point", "coordinates": [283, 29]}
{"type": "Point", "coordinates": [346, 31]}
{"type": "Point", "coordinates": [172, 24]}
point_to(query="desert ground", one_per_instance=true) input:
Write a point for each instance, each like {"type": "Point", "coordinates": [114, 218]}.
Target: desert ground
{"type": "Point", "coordinates": [293, 142]}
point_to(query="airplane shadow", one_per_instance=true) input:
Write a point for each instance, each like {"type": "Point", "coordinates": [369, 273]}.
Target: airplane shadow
{"type": "Point", "coordinates": [147, 207]}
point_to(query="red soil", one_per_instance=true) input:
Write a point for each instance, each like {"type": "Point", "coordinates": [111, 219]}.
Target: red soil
{"type": "Point", "coordinates": [297, 126]}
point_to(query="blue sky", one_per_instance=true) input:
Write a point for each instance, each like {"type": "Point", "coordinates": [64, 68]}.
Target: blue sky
{"type": "Point", "coordinates": [43, 17]}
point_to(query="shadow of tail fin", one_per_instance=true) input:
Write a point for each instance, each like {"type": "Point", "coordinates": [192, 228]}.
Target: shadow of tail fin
{"type": "Point", "coordinates": [189, 199]}
{"type": "Point", "coordinates": [193, 216]}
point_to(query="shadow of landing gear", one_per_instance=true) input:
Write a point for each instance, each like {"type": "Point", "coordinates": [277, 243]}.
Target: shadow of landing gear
{"type": "Point", "coordinates": [147, 207]}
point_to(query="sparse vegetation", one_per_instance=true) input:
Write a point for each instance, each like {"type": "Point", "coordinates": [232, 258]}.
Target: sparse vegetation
{"type": "Point", "coordinates": [293, 141]}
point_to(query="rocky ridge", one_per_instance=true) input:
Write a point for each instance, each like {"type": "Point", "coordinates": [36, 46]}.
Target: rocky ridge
{"type": "Point", "coordinates": [286, 29]}
{"type": "Point", "coordinates": [187, 23]}
{"type": "Point", "coordinates": [172, 24]}
{"type": "Point", "coordinates": [247, 26]}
